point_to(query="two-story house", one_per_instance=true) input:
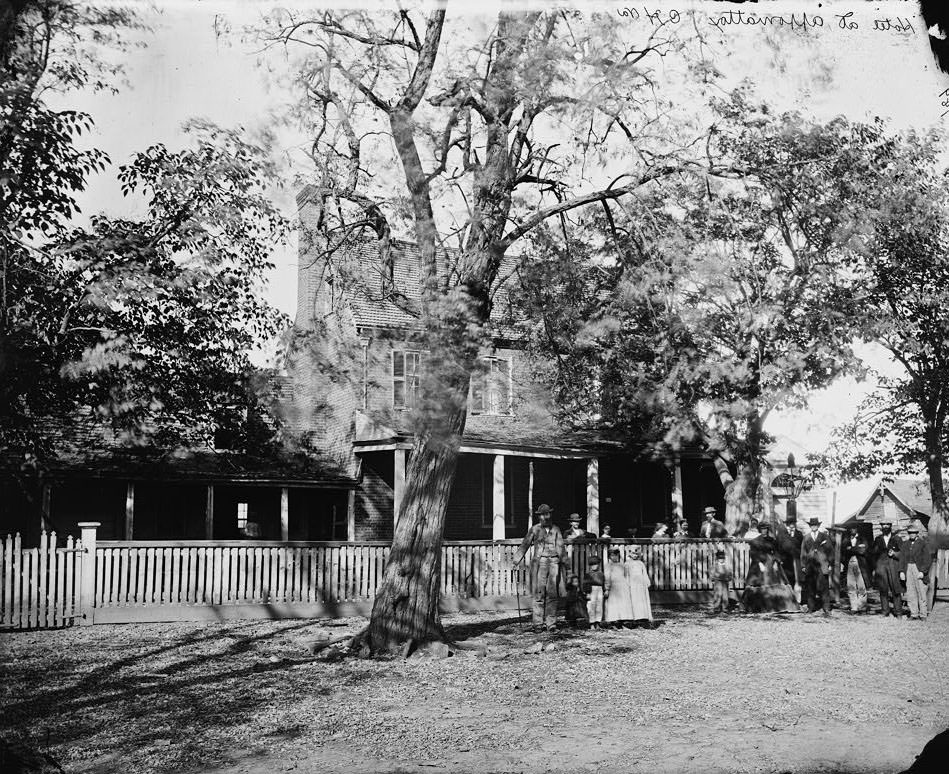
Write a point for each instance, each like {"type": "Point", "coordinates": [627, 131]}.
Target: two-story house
{"type": "Point", "coordinates": [355, 367]}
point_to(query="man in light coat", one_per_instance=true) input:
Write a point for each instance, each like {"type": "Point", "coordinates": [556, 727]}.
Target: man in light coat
{"type": "Point", "coordinates": [549, 556]}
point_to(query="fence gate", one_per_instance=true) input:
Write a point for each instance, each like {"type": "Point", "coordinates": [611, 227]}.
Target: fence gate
{"type": "Point", "coordinates": [41, 586]}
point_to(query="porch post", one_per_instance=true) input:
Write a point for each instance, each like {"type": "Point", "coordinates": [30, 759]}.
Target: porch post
{"type": "Point", "coordinates": [130, 510]}
{"type": "Point", "coordinates": [530, 494]}
{"type": "Point", "coordinates": [497, 523]}
{"type": "Point", "coordinates": [284, 514]}
{"type": "Point", "coordinates": [209, 514]}
{"type": "Point", "coordinates": [398, 483]}
{"type": "Point", "coordinates": [593, 495]}
{"type": "Point", "coordinates": [351, 515]}
{"type": "Point", "coordinates": [677, 490]}
{"type": "Point", "coordinates": [45, 504]}
{"type": "Point", "coordinates": [87, 577]}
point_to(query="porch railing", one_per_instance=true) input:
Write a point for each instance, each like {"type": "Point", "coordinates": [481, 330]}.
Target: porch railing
{"type": "Point", "coordinates": [121, 581]}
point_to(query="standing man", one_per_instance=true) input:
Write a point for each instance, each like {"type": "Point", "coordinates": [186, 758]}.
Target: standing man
{"type": "Point", "coordinates": [858, 579]}
{"type": "Point", "coordinates": [790, 539]}
{"type": "Point", "coordinates": [915, 561]}
{"type": "Point", "coordinates": [711, 527]}
{"type": "Point", "coordinates": [549, 554]}
{"type": "Point", "coordinates": [575, 533]}
{"type": "Point", "coordinates": [886, 551]}
{"type": "Point", "coordinates": [817, 556]}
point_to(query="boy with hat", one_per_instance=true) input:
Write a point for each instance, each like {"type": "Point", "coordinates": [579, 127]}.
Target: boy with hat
{"type": "Point", "coordinates": [915, 562]}
{"type": "Point", "coordinates": [886, 550]}
{"type": "Point", "coordinates": [549, 555]}
{"type": "Point", "coordinates": [722, 576]}
{"type": "Point", "coordinates": [593, 586]}
{"type": "Point", "coordinates": [817, 556]}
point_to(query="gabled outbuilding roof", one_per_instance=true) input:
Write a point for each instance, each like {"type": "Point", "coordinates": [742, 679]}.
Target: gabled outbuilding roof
{"type": "Point", "coordinates": [912, 494]}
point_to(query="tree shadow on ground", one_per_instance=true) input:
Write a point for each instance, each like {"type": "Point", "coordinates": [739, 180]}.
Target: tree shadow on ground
{"type": "Point", "coordinates": [202, 681]}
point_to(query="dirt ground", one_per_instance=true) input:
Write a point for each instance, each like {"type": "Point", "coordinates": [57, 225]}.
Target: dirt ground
{"type": "Point", "coordinates": [794, 693]}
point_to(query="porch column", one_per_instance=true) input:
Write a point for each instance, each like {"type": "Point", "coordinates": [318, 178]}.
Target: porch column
{"type": "Point", "coordinates": [593, 496]}
{"type": "Point", "coordinates": [284, 514]}
{"type": "Point", "coordinates": [209, 514]}
{"type": "Point", "coordinates": [130, 510]}
{"type": "Point", "coordinates": [351, 515]}
{"type": "Point", "coordinates": [398, 482]}
{"type": "Point", "coordinates": [530, 494]}
{"type": "Point", "coordinates": [677, 490]}
{"type": "Point", "coordinates": [45, 505]}
{"type": "Point", "coordinates": [497, 523]}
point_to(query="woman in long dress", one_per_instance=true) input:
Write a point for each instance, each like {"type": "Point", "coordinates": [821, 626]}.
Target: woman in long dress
{"type": "Point", "coordinates": [766, 587]}
{"type": "Point", "coordinates": [618, 604]}
{"type": "Point", "coordinates": [639, 584]}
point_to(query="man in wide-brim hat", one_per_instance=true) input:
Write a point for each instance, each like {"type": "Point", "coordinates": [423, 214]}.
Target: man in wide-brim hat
{"type": "Point", "coordinates": [549, 555]}
{"type": "Point", "coordinates": [817, 558]}
{"type": "Point", "coordinates": [886, 553]}
{"type": "Point", "coordinates": [711, 527]}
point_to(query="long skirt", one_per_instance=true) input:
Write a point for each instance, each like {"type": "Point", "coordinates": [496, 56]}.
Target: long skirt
{"type": "Point", "coordinates": [767, 590]}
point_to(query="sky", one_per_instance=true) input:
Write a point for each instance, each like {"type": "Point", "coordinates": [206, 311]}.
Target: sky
{"type": "Point", "coordinates": [198, 63]}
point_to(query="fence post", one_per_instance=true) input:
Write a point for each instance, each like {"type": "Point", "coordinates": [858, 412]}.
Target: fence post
{"type": "Point", "coordinates": [87, 580]}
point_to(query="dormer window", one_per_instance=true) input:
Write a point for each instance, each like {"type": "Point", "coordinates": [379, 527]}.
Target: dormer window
{"type": "Point", "coordinates": [491, 389]}
{"type": "Point", "coordinates": [406, 373]}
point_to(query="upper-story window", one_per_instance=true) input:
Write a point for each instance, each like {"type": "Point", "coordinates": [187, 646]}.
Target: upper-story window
{"type": "Point", "coordinates": [406, 372]}
{"type": "Point", "coordinates": [491, 389]}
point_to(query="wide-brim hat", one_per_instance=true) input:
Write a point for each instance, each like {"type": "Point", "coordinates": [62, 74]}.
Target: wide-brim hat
{"type": "Point", "coordinates": [791, 520]}
{"type": "Point", "coordinates": [719, 553]}
{"type": "Point", "coordinates": [542, 509]}
{"type": "Point", "coordinates": [574, 517]}
{"type": "Point", "coordinates": [912, 529]}
{"type": "Point", "coordinates": [814, 522]}
{"type": "Point", "coordinates": [764, 525]}
{"type": "Point", "coordinates": [710, 509]}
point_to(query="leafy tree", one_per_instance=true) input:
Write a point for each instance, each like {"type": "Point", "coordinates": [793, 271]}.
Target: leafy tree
{"type": "Point", "coordinates": [714, 308]}
{"type": "Point", "coordinates": [905, 273]}
{"type": "Point", "coordinates": [454, 129]}
{"type": "Point", "coordinates": [146, 324]}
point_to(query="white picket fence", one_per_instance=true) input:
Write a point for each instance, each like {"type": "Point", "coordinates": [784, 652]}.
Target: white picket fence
{"type": "Point", "coordinates": [41, 586]}
{"type": "Point", "coordinates": [87, 582]}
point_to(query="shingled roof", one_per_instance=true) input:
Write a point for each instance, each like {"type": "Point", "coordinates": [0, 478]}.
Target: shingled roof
{"type": "Point", "coordinates": [84, 446]}
{"type": "Point", "coordinates": [375, 306]}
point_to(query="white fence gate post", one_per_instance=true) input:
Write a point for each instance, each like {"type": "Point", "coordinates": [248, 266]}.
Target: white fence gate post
{"type": "Point", "coordinates": [87, 580]}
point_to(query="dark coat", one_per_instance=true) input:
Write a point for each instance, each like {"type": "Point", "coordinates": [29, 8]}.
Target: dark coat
{"type": "Point", "coordinates": [713, 529]}
{"type": "Point", "coordinates": [817, 554]}
{"type": "Point", "coordinates": [859, 551]}
{"type": "Point", "coordinates": [789, 549]}
{"type": "Point", "coordinates": [887, 567]}
{"type": "Point", "coordinates": [919, 553]}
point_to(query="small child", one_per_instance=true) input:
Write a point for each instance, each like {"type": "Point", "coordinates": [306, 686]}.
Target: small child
{"type": "Point", "coordinates": [576, 612]}
{"type": "Point", "coordinates": [593, 586]}
{"type": "Point", "coordinates": [722, 576]}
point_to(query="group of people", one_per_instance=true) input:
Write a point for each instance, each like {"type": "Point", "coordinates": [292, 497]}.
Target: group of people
{"type": "Point", "coordinates": [794, 560]}
{"type": "Point", "coordinates": [614, 595]}
{"type": "Point", "coordinates": [785, 570]}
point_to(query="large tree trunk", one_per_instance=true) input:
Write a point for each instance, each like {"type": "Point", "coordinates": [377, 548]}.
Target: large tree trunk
{"type": "Point", "coordinates": [406, 604]}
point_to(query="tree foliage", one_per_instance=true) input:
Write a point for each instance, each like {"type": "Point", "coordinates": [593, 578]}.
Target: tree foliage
{"type": "Point", "coordinates": [904, 271]}
{"type": "Point", "coordinates": [146, 324]}
{"type": "Point", "coordinates": [709, 305]}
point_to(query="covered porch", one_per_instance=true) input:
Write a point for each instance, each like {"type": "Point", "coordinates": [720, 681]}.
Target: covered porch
{"type": "Point", "coordinates": [498, 487]}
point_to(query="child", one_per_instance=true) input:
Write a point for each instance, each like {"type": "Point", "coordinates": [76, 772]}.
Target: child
{"type": "Point", "coordinates": [639, 587]}
{"type": "Point", "coordinates": [576, 613]}
{"type": "Point", "coordinates": [593, 586]}
{"type": "Point", "coordinates": [722, 576]}
{"type": "Point", "coordinates": [618, 607]}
